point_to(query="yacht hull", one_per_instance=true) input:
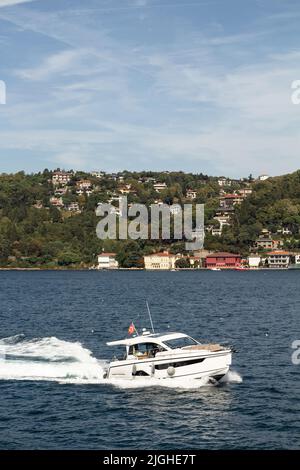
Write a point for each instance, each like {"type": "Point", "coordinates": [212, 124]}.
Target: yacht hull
{"type": "Point", "coordinates": [176, 366]}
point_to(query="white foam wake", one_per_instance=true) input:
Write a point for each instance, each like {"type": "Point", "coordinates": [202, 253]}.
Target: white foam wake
{"type": "Point", "coordinates": [52, 359]}
{"type": "Point", "coordinates": [47, 359]}
{"type": "Point", "coordinates": [232, 376]}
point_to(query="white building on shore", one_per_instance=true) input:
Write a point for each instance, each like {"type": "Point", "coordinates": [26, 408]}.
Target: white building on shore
{"type": "Point", "coordinates": [254, 261]}
{"type": "Point", "coordinates": [107, 261]}
{"type": "Point", "coordinates": [162, 261]}
{"type": "Point", "coordinates": [278, 259]}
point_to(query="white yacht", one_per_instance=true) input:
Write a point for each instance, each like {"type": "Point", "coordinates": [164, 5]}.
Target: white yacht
{"type": "Point", "coordinates": [168, 355]}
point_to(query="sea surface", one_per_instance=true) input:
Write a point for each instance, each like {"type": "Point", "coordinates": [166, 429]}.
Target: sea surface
{"type": "Point", "coordinates": [54, 327]}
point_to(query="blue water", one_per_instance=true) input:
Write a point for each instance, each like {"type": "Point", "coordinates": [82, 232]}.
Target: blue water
{"type": "Point", "coordinates": [52, 395]}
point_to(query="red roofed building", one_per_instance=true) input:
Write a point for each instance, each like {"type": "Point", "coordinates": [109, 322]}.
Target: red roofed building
{"type": "Point", "coordinates": [223, 260]}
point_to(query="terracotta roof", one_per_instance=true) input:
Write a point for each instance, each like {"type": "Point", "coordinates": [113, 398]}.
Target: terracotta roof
{"type": "Point", "coordinates": [278, 252]}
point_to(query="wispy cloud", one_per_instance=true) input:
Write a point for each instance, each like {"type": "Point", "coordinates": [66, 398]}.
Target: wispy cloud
{"type": "Point", "coordinates": [6, 3]}
{"type": "Point", "coordinates": [61, 63]}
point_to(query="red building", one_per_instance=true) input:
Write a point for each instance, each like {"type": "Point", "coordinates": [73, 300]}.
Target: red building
{"type": "Point", "coordinates": [223, 260]}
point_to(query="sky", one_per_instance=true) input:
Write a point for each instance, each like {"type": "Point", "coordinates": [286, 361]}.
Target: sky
{"type": "Point", "coordinates": [191, 85]}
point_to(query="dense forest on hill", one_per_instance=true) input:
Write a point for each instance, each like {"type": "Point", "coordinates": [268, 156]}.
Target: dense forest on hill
{"type": "Point", "coordinates": [36, 233]}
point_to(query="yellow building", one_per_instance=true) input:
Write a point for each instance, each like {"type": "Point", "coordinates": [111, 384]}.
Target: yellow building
{"type": "Point", "coordinates": [163, 260]}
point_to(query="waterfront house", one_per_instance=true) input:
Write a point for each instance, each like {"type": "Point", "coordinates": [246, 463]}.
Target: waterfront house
{"type": "Point", "coordinates": [254, 261]}
{"type": "Point", "coordinates": [107, 261]}
{"type": "Point", "coordinates": [162, 261]}
{"type": "Point", "coordinates": [278, 259]}
{"type": "Point", "coordinates": [223, 260]}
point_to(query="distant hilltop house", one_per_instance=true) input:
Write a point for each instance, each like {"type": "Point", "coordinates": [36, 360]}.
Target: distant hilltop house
{"type": "Point", "coordinates": [38, 204]}
{"type": "Point", "coordinates": [73, 207]}
{"type": "Point", "coordinates": [175, 209]}
{"type": "Point", "coordinates": [98, 174]}
{"type": "Point", "coordinates": [60, 191]}
{"type": "Point", "coordinates": [148, 179]}
{"type": "Point", "coordinates": [244, 192]}
{"type": "Point", "coordinates": [107, 261]}
{"type": "Point", "coordinates": [230, 200]}
{"type": "Point", "coordinates": [163, 261]}
{"type": "Point", "coordinates": [223, 260]}
{"type": "Point", "coordinates": [126, 189]}
{"type": "Point", "coordinates": [223, 219]}
{"type": "Point", "coordinates": [216, 231]}
{"type": "Point", "coordinates": [278, 259]}
{"type": "Point", "coordinates": [61, 177]}
{"type": "Point", "coordinates": [224, 181]}
{"type": "Point", "coordinates": [84, 184]}
{"type": "Point", "coordinates": [158, 187]}
{"type": "Point", "coordinates": [263, 177]}
{"type": "Point", "coordinates": [191, 194]}
{"type": "Point", "coordinates": [56, 201]}
{"type": "Point", "coordinates": [265, 241]}
{"type": "Point", "coordinates": [284, 231]}
{"type": "Point", "coordinates": [84, 187]}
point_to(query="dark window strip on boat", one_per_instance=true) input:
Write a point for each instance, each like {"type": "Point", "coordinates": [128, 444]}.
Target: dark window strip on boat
{"type": "Point", "coordinates": [178, 364]}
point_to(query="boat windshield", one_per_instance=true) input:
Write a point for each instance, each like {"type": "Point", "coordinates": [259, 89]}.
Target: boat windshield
{"type": "Point", "coordinates": [180, 342]}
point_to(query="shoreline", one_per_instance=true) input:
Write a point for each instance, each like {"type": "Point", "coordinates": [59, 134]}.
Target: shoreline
{"type": "Point", "coordinates": [149, 270]}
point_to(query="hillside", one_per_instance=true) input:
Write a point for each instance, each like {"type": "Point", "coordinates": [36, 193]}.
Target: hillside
{"type": "Point", "coordinates": [48, 219]}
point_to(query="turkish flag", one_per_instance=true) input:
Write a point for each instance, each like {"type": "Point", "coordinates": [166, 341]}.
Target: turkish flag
{"type": "Point", "coordinates": [131, 329]}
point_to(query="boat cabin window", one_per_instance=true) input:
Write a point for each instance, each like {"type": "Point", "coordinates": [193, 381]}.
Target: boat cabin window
{"type": "Point", "coordinates": [180, 342]}
{"type": "Point", "coordinates": [119, 354]}
{"type": "Point", "coordinates": [145, 349]}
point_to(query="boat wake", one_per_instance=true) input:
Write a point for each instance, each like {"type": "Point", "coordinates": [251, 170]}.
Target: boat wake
{"type": "Point", "coordinates": [52, 359]}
